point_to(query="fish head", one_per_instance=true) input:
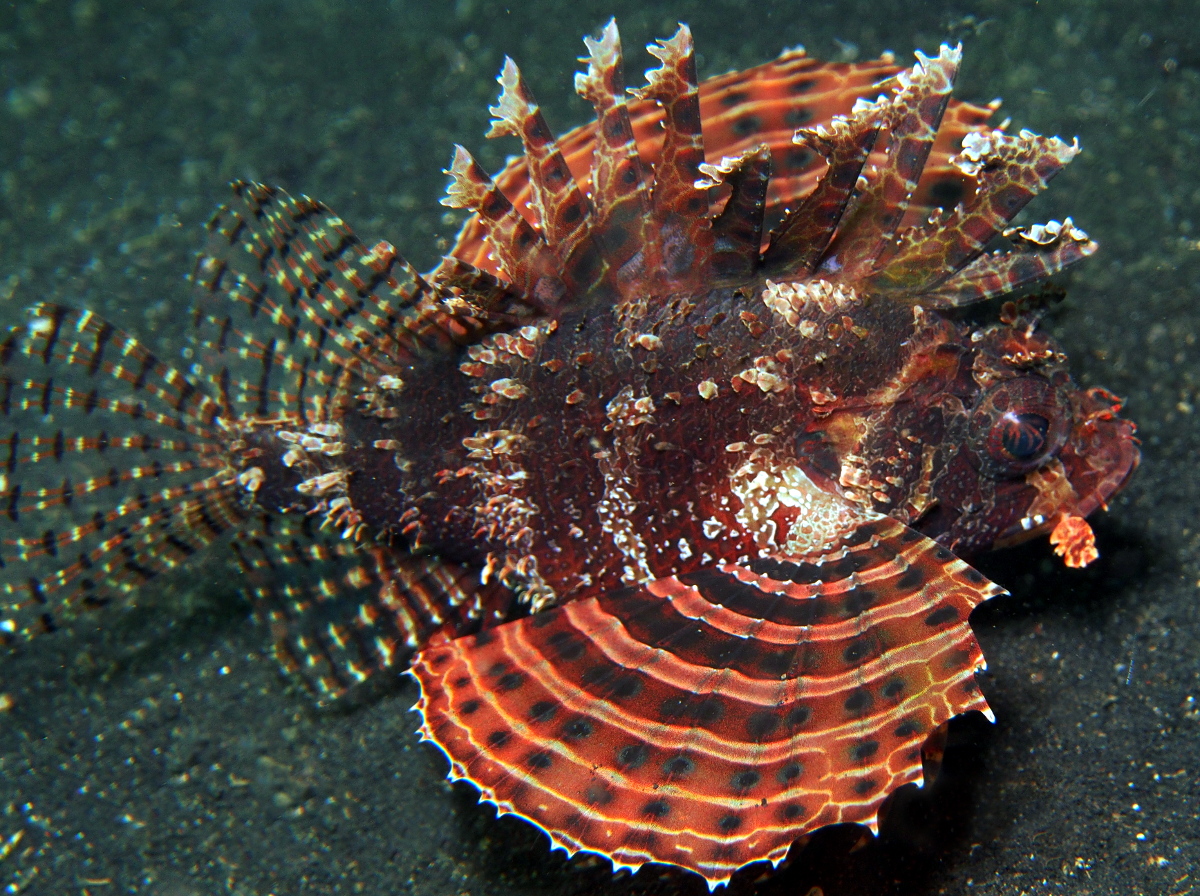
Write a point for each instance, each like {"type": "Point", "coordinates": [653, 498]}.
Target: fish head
{"type": "Point", "coordinates": [1028, 452]}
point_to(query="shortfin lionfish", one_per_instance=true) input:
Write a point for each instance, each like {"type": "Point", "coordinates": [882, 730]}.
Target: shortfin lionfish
{"type": "Point", "coordinates": [658, 484]}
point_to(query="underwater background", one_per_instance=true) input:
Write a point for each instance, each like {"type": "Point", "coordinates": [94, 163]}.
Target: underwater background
{"type": "Point", "coordinates": [158, 750]}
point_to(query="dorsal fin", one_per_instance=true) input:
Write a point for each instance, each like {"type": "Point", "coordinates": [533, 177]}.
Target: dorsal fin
{"type": "Point", "coordinates": [862, 177]}
{"type": "Point", "coordinates": [739, 110]}
{"type": "Point", "coordinates": [1010, 171]}
{"type": "Point", "coordinates": [681, 233]}
{"type": "Point", "coordinates": [621, 189]}
{"type": "Point", "coordinates": [340, 310]}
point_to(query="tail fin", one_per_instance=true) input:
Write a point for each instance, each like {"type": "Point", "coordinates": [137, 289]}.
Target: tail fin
{"type": "Point", "coordinates": [114, 468]}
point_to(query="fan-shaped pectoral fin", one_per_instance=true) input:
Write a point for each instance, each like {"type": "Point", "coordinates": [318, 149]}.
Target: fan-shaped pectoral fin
{"type": "Point", "coordinates": [709, 719]}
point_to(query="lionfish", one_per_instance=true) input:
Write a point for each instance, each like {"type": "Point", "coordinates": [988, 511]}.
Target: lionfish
{"type": "Point", "coordinates": [658, 484]}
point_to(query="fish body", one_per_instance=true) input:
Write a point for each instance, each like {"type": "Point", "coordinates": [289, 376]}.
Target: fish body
{"type": "Point", "coordinates": [661, 484]}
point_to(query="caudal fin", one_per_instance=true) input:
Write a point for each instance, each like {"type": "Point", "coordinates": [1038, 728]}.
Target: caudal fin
{"type": "Point", "coordinates": [114, 467]}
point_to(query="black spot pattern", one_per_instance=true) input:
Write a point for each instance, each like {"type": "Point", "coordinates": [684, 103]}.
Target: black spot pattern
{"type": "Point", "coordinates": [510, 681]}
{"type": "Point", "coordinates": [577, 729]}
{"type": "Point", "coordinates": [539, 761]}
{"type": "Point", "coordinates": [789, 773]}
{"type": "Point", "coordinates": [656, 809]}
{"type": "Point", "coordinates": [858, 702]}
{"type": "Point", "coordinates": [727, 824]}
{"type": "Point", "coordinates": [941, 617]}
{"type": "Point", "coordinates": [542, 711]}
{"type": "Point", "coordinates": [632, 756]}
{"type": "Point", "coordinates": [679, 766]}
{"type": "Point", "coordinates": [864, 751]}
{"type": "Point", "coordinates": [744, 780]}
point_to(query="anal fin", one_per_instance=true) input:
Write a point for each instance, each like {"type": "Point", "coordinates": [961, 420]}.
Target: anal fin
{"type": "Point", "coordinates": [340, 613]}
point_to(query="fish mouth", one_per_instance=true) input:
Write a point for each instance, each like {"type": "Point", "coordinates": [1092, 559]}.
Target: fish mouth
{"type": "Point", "coordinates": [1103, 448]}
{"type": "Point", "coordinates": [1097, 461]}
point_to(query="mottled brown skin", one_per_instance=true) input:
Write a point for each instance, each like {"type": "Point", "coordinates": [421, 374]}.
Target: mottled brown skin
{"type": "Point", "coordinates": [677, 463]}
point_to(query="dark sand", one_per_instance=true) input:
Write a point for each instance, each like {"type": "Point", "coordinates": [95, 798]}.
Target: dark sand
{"type": "Point", "coordinates": [158, 751]}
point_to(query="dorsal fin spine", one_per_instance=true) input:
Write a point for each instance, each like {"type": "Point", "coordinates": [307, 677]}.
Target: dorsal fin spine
{"type": "Point", "coordinates": [737, 230]}
{"type": "Point", "coordinates": [523, 253]}
{"type": "Point", "coordinates": [680, 208]}
{"type": "Point", "coordinates": [911, 117]}
{"type": "Point", "coordinates": [620, 188]}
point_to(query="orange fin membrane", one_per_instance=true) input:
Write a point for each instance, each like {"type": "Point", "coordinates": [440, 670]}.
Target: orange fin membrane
{"type": "Point", "coordinates": [710, 719]}
{"type": "Point", "coordinates": [640, 236]}
{"type": "Point", "coordinates": [623, 207]}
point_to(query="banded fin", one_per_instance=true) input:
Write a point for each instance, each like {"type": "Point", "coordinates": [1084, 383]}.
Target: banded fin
{"type": "Point", "coordinates": [910, 116]}
{"type": "Point", "coordinates": [341, 612]}
{"type": "Point", "coordinates": [114, 468]}
{"type": "Point", "coordinates": [863, 180]}
{"type": "Point", "coordinates": [708, 720]}
{"type": "Point", "coordinates": [739, 110]}
{"type": "Point", "coordinates": [118, 467]}
{"type": "Point", "coordinates": [292, 308]}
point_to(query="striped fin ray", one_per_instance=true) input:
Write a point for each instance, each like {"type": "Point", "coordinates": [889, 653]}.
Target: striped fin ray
{"type": "Point", "coordinates": [738, 229]}
{"type": "Point", "coordinates": [525, 259]}
{"type": "Point", "coordinates": [910, 116]}
{"type": "Point", "coordinates": [1036, 253]}
{"type": "Point", "coordinates": [797, 244]}
{"type": "Point", "coordinates": [114, 468]}
{"type": "Point", "coordinates": [681, 229]}
{"type": "Point", "coordinates": [562, 211]}
{"type": "Point", "coordinates": [620, 186]}
{"type": "Point", "coordinates": [340, 612]}
{"type": "Point", "coordinates": [292, 307]}
{"type": "Point", "coordinates": [1008, 171]}
{"type": "Point", "coordinates": [708, 720]}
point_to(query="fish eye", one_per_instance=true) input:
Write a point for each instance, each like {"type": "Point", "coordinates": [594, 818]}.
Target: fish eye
{"type": "Point", "coordinates": [1018, 425]}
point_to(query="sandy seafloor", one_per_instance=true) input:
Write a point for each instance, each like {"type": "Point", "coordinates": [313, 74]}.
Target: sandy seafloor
{"type": "Point", "coordinates": [159, 751]}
